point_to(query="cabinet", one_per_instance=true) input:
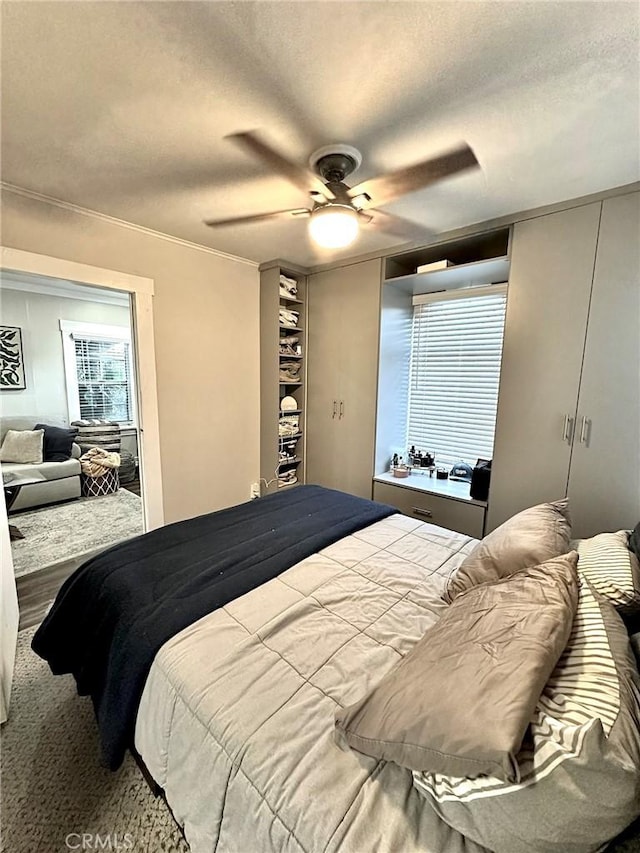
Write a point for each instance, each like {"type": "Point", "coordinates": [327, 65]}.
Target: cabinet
{"type": "Point", "coordinates": [343, 323]}
{"type": "Point", "coordinates": [567, 420]}
{"type": "Point", "coordinates": [282, 374]}
{"type": "Point", "coordinates": [462, 515]}
{"type": "Point", "coordinates": [604, 475]}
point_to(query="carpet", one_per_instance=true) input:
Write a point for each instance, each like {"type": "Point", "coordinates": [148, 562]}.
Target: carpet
{"type": "Point", "coordinates": [52, 781]}
{"type": "Point", "coordinates": [56, 533]}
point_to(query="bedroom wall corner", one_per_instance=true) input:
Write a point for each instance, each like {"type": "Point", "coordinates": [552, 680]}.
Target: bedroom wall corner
{"type": "Point", "coordinates": [206, 328]}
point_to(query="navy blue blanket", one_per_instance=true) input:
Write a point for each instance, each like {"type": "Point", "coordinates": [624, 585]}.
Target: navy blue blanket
{"type": "Point", "coordinates": [116, 611]}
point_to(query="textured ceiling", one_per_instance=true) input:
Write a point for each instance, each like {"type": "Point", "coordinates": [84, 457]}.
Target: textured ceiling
{"type": "Point", "coordinates": [122, 107]}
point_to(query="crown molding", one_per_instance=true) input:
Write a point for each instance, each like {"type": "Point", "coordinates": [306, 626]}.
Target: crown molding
{"type": "Point", "coordinates": [112, 220]}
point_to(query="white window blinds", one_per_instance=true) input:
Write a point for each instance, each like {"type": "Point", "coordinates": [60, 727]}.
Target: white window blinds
{"type": "Point", "coordinates": [455, 372]}
{"type": "Point", "coordinates": [104, 378]}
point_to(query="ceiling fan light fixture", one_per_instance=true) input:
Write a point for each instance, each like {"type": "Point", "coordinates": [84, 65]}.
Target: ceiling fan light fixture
{"type": "Point", "coordinates": [334, 226]}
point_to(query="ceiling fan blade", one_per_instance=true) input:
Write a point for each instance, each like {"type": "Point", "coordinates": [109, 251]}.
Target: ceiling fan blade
{"type": "Point", "coordinates": [396, 225]}
{"type": "Point", "coordinates": [385, 188]}
{"type": "Point", "coordinates": [257, 217]}
{"type": "Point", "coordinates": [303, 178]}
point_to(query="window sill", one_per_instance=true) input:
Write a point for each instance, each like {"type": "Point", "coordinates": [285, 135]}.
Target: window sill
{"type": "Point", "coordinates": [454, 489]}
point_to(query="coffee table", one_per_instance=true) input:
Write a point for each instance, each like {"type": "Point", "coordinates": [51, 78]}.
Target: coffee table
{"type": "Point", "coordinates": [11, 491]}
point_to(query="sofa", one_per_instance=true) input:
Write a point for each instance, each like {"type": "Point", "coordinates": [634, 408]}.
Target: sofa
{"type": "Point", "coordinates": [61, 479]}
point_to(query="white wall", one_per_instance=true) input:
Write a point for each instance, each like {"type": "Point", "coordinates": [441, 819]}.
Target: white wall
{"type": "Point", "coordinates": [38, 316]}
{"type": "Point", "coordinates": [206, 327]}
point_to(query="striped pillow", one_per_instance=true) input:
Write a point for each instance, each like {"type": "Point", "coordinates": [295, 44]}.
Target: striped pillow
{"type": "Point", "coordinates": [611, 568]}
{"type": "Point", "coordinates": [580, 764]}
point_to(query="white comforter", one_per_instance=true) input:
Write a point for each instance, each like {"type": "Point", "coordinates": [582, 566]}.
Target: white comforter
{"type": "Point", "coordinates": [236, 721]}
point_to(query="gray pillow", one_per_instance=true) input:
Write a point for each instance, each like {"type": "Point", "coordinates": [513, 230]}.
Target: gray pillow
{"type": "Point", "coordinates": [22, 446]}
{"type": "Point", "coordinates": [529, 538]}
{"type": "Point", "coordinates": [461, 700]}
{"type": "Point", "coordinates": [580, 763]}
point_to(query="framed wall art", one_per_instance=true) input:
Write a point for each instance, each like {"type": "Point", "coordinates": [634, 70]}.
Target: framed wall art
{"type": "Point", "coordinates": [11, 359]}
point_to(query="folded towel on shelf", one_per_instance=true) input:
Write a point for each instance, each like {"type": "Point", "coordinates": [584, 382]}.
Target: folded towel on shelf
{"type": "Point", "coordinates": [289, 425]}
{"type": "Point", "coordinates": [288, 318]}
{"type": "Point", "coordinates": [290, 371]}
{"type": "Point", "coordinates": [288, 287]}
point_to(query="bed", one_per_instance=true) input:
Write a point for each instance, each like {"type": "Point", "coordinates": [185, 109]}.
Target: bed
{"type": "Point", "coordinates": [234, 718]}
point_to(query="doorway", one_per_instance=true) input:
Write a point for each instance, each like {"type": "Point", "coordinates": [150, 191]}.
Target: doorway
{"type": "Point", "coordinates": [139, 292]}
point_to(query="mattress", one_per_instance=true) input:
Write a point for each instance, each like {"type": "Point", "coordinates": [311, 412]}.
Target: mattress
{"type": "Point", "coordinates": [236, 720]}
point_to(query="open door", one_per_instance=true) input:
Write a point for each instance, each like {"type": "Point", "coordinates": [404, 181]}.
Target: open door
{"type": "Point", "coordinates": [9, 615]}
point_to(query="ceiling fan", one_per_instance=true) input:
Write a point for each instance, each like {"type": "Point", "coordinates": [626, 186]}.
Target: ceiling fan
{"type": "Point", "coordinates": [337, 211]}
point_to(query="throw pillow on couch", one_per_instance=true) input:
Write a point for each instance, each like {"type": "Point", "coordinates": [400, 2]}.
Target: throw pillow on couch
{"type": "Point", "coordinates": [58, 442]}
{"type": "Point", "coordinates": [23, 446]}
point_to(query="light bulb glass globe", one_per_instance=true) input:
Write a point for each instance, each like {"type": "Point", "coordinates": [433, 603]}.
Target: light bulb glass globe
{"type": "Point", "coordinates": [334, 226]}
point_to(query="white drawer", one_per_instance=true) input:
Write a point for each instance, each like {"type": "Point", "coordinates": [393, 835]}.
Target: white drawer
{"type": "Point", "coordinates": [453, 514]}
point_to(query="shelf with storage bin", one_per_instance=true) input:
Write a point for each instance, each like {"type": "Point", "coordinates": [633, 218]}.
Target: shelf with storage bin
{"type": "Point", "coordinates": [272, 387]}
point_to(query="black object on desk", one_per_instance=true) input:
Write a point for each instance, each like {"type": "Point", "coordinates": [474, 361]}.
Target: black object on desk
{"type": "Point", "coordinates": [480, 480]}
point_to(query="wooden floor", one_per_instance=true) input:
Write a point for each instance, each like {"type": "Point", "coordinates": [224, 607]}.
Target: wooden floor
{"type": "Point", "coordinates": [37, 590]}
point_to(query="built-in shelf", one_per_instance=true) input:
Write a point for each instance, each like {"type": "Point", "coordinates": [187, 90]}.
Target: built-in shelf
{"type": "Point", "coordinates": [282, 316]}
{"type": "Point", "coordinates": [491, 271]}
{"type": "Point", "coordinates": [284, 462]}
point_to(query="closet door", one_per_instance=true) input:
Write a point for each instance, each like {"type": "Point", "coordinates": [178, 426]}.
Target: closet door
{"type": "Point", "coordinates": [324, 364]}
{"type": "Point", "coordinates": [604, 484]}
{"type": "Point", "coordinates": [552, 260]}
{"type": "Point", "coordinates": [343, 331]}
{"type": "Point", "coordinates": [360, 334]}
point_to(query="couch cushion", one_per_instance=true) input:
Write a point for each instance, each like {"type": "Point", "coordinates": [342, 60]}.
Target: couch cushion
{"type": "Point", "coordinates": [49, 470]}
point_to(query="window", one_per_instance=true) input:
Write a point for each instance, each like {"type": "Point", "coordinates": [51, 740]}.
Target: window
{"type": "Point", "coordinates": [456, 351]}
{"type": "Point", "coordinates": [98, 368]}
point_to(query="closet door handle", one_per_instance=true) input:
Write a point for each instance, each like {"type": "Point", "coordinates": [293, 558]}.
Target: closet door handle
{"type": "Point", "coordinates": [585, 428]}
{"type": "Point", "coordinates": [341, 415]}
{"type": "Point", "coordinates": [567, 429]}
{"type": "Point", "coordinates": [335, 408]}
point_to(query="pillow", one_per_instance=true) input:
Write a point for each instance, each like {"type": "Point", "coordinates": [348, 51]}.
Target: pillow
{"type": "Point", "coordinates": [580, 765]}
{"type": "Point", "coordinates": [611, 568]}
{"type": "Point", "coordinates": [57, 442]}
{"type": "Point", "coordinates": [527, 539]}
{"type": "Point", "coordinates": [23, 446]}
{"type": "Point", "coordinates": [461, 700]}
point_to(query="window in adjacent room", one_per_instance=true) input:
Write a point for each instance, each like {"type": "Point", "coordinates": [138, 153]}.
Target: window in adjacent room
{"type": "Point", "coordinates": [456, 351]}
{"type": "Point", "coordinates": [98, 369]}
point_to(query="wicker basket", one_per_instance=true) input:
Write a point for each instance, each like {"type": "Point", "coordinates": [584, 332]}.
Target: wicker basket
{"type": "Point", "coordinates": [98, 487]}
